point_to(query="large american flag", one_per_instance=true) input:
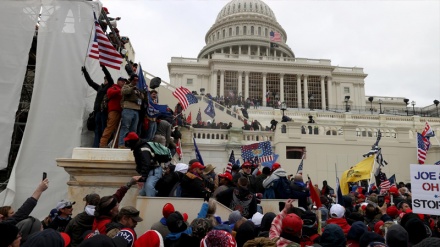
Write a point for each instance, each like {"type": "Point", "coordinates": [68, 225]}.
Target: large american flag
{"type": "Point", "coordinates": [185, 97]}
{"type": "Point", "coordinates": [428, 132]}
{"type": "Point", "coordinates": [102, 50]}
{"type": "Point", "coordinates": [422, 148]}
{"type": "Point", "coordinates": [275, 36]}
{"type": "Point", "coordinates": [262, 150]}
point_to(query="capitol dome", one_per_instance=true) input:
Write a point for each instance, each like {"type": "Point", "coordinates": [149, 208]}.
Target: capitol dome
{"type": "Point", "coordinates": [243, 27]}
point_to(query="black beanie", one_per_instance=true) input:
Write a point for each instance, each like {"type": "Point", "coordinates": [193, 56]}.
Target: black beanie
{"type": "Point", "coordinates": [9, 234]}
{"type": "Point", "coordinates": [369, 237]}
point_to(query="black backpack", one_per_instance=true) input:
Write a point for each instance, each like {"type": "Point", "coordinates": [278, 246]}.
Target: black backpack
{"type": "Point", "coordinates": [91, 123]}
{"type": "Point", "coordinates": [282, 188]}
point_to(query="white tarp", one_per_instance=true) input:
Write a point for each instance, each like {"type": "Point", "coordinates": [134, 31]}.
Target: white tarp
{"type": "Point", "coordinates": [18, 20]}
{"type": "Point", "coordinates": [425, 188]}
{"type": "Point", "coordinates": [60, 103]}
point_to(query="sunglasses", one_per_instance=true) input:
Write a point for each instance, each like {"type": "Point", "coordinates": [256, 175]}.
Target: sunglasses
{"type": "Point", "coordinates": [68, 207]}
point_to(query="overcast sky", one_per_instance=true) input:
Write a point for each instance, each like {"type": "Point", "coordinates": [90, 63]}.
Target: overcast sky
{"type": "Point", "coordinates": [396, 42]}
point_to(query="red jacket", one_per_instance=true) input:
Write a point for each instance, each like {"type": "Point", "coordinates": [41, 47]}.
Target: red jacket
{"type": "Point", "coordinates": [114, 98]}
{"type": "Point", "coordinates": [100, 224]}
{"type": "Point", "coordinates": [342, 222]}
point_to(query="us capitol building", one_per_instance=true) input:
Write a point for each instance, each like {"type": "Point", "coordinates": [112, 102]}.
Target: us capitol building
{"type": "Point", "coordinates": [238, 60]}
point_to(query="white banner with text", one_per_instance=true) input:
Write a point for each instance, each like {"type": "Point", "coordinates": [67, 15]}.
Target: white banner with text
{"type": "Point", "coordinates": [425, 188]}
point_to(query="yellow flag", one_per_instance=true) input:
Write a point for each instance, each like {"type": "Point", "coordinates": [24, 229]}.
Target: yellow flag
{"type": "Point", "coordinates": [360, 171]}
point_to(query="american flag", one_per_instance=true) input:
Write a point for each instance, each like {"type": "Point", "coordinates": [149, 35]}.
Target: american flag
{"type": "Point", "coordinates": [199, 116]}
{"type": "Point", "coordinates": [384, 183]}
{"type": "Point", "coordinates": [275, 36]}
{"type": "Point", "coordinates": [421, 148]}
{"type": "Point", "coordinates": [102, 50]}
{"type": "Point", "coordinates": [262, 150]}
{"type": "Point", "coordinates": [428, 132]}
{"type": "Point", "coordinates": [185, 97]}
{"type": "Point", "coordinates": [231, 162]}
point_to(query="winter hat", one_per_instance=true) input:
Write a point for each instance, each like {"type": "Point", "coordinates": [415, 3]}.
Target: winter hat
{"type": "Point", "coordinates": [266, 221]}
{"type": "Point", "coordinates": [337, 211]}
{"type": "Point", "coordinates": [28, 226]}
{"type": "Point", "coordinates": [275, 166]}
{"type": "Point", "coordinates": [416, 230]}
{"type": "Point", "coordinates": [245, 232]}
{"type": "Point", "coordinates": [48, 237]}
{"type": "Point", "coordinates": [369, 237]}
{"type": "Point", "coordinates": [222, 227]}
{"type": "Point", "coordinates": [176, 223]}
{"type": "Point", "coordinates": [167, 210]}
{"type": "Point", "coordinates": [397, 236]}
{"type": "Point", "coordinates": [428, 242]}
{"type": "Point", "coordinates": [234, 216]}
{"type": "Point", "coordinates": [200, 227]}
{"type": "Point", "coordinates": [333, 236]}
{"type": "Point", "coordinates": [309, 219]}
{"type": "Point", "coordinates": [393, 212]}
{"type": "Point", "coordinates": [256, 219]}
{"type": "Point", "coordinates": [150, 238]}
{"type": "Point", "coordinates": [357, 229]}
{"type": "Point", "coordinates": [218, 238]}
{"type": "Point", "coordinates": [377, 227]}
{"type": "Point", "coordinates": [292, 224]}
{"type": "Point", "coordinates": [126, 237]}
{"type": "Point", "coordinates": [92, 199]}
{"type": "Point", "coordinates": [9, 234]}
{"type": "Point", "coordinates": [266, 170]}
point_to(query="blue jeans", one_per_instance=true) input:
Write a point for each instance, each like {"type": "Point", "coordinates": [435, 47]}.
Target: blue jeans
{"type": "Point", "coordinates": [101, 123]}
{"type": "Point", "coordinates": [129, 122]}
{"type": "Point", "coordinates": [152, 127]}
{"type": "Point", "coordinates": [153, 177]}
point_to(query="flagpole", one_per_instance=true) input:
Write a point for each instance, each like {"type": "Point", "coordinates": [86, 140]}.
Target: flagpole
{"type": "Point", "coordinates": [90, 37]}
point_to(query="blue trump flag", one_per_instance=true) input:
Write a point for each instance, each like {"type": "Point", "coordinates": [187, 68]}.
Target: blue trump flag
{"type": "Point", "coordinates": [153, 110]}
{"type": "Point", "coordinates": [339, 198]}
{"type": "Point", "coordinates": [198, 155]}
{"type": "Point", "coordinates": [210, 111]}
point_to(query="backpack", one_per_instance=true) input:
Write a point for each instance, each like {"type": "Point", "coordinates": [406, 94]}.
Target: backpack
{"type": "Point", "coordinates": [104, 103]}
{"type": "Point", "coordinates": [91, 123]}
{"type": "Point", "coordinates": [282, 188]}
{"type": "Point", "coordinates": [159, 152]}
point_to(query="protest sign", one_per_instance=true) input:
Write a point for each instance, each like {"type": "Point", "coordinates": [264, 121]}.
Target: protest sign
{"type": "Point", "coordinates": [425, 188]}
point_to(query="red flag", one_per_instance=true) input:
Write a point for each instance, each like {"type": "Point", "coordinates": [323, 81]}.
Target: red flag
{"type": "Point", "coordinates": [314, 195]}
{"type": "Point", "coordinates": [188, 119]}
{"type": "Point", "coordinates": [179, 149]}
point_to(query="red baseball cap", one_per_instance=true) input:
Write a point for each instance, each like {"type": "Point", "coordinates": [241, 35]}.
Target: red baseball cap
{"type": "Point", "coordinates": [292, 224]}
{"type": "Point", "coordinates": [197, 165]}
{"type": "Point", "coordinates": [394, 190]}
{"type": "Point", "coordinates": [275, 166]}
{"type": "Point", "coordinates": [246, 164]}
{"type": "Point", "coordinates": [131, 136]}
{"type": "Point", "coordinates": [66, 238]}
{"type": "Point", "coordinates": [226, 175]}
{"type": "Point", "coordinates": [393, 211]}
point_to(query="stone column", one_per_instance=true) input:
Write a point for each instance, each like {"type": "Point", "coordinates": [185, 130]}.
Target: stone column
{"type": "Point", "coordinates": [239, 50]}
{"type": "Point", "coordinates": [246, 85]}
{"type": "Point", "coordinates": [222, 83]}
{"type": "Point", "coordinates": [264, 89]}
{"type": "Point", "coordinates": [267, 52]}
{"type": "Point", "coordinates": [298, 89]}
{"type": "Point", "coordinates": [213, 88]}
{"type": "Point", "coordinates": [330, 92]}
{"type": "Point", "coordinates": [281, 87]}
{"type": "Point", "coordinates": [249, 50]}
{"type": "Point", "coordinates": [322, 92]}
{"type": "Point", "coordinates": [240, 87]}
{"type": "Point", "coordinates": [230, 49]}
{"type": "Point", "coordinates": [306, 94]}
{"type": "Point", "coordinates": [258, 51]}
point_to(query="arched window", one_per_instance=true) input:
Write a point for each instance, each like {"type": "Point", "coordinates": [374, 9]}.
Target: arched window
{"type": "Point", "coordinates": [230, 31]}
{"type": "Point", "coordinates": [250, 6]}
{"type": "Point", "coordinates": [237, 31]}
{"type": "Point", "coordinates": [259, 31]}
{"type": "Point", "coordinates": [265, 32]}
{"type": "Point", "coordinates": [252, 30]}
{"type": "Point", "coordinates": [218, 35]}
{"type": "Point", "coordinates": [244, 6]}
{"type": "Point", "coordinates": [224, 33]}
{"type": "Point", "coordinates": [245, 29]}
{"type": "Point", "coordinates": [233, 8]}
{"type": "Point", "coordinates": [239, 5]}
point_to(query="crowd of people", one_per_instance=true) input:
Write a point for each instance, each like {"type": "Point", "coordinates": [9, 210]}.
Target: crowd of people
{"type": "Point", "coordinates": [358, 220]}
